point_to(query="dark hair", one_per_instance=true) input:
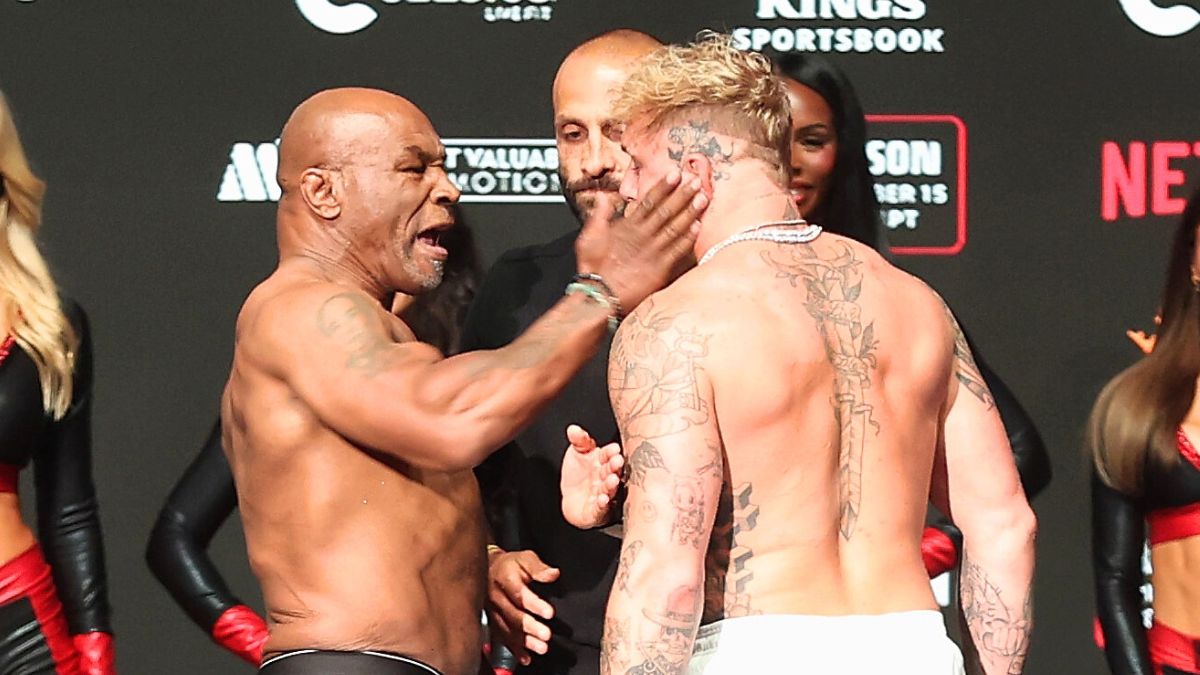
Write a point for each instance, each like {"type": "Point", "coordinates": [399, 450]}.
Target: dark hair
{"type": "Point", "coordinates": [1136, 415]}
{"type": "Point", "coordinates": [851, 208]}
{"type": "Point", "coordinates": [437, 317]}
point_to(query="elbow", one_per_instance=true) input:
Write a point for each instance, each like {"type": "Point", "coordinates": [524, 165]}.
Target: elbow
{"type": "Point", "coordinates": [1012, 527]}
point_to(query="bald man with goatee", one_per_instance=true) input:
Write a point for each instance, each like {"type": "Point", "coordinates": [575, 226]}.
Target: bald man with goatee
{"type": "Point", "coordinates": [548, 580]}
{"type": "Point", "coordinates": [351, 443]}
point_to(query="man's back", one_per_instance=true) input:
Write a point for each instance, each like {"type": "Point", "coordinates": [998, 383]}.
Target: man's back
{"type": "Point", "coordinates": [829, 372]}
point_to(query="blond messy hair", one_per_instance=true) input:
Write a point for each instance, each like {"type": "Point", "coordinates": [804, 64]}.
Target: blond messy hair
{"type": "Point", "coordinates": [737, 93]}
{"type": "Point", "coordinates": [29, 302]}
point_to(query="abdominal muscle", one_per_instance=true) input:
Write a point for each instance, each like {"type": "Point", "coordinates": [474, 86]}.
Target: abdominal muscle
{"type": "Point", "coordinates": [1176, 589]}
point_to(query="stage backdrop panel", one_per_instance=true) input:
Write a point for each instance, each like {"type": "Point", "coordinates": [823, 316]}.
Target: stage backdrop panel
{"type": "Point", "coordinates": [1032, 156]}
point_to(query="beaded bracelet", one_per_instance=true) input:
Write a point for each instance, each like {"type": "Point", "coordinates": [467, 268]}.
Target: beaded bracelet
{"type": "Point", "coordinates": [596, 296]}
{"type": "Point", "coordinates": [613, 300]}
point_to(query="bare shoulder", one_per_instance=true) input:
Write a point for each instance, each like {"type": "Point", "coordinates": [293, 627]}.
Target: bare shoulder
{"type": "Point", "coordinates": [685, 312]}
{"type": "Point", "coordinates": [282, 317]}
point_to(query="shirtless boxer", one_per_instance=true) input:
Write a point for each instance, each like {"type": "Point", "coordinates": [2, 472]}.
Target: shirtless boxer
{"type": "Point", "coordinates": [351, 444]}
{"type": "Point", "coordinates": [787, 408]}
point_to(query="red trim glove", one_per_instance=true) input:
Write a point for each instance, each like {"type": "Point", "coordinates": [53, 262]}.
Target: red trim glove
{"type": "Point", "coordinates": [938, 551]}
{"type": "Point", "coordinates": [96, 656]}
{"type": "Point", "coordinates": [242, 631]}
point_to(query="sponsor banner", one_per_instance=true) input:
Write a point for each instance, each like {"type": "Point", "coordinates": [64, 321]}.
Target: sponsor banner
{"type": "Point", "coordinates": [919, 164]}
{"type": "Point", "coordinates": [920, 167]}
{"type": "Point", "coordinates": [504, 170]}
{"type": "Point", "coordinates": [861, 26]}
{"type": "Point", "coordinates": [1145, 178]}
{"type": "Point", "coordinates": [487, 170]}
{"type": "Point", "coordinates": [352, 17]}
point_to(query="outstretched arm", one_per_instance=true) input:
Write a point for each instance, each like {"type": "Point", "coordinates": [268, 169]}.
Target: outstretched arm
{"type": "Point", "coordinates": [663, 404]}
{"type": "Point", "coordinates": [177, 553]}
{"type": "Point", "coordinates": [976, 484]}
{"type": "Point", "coordinates": [337, 350]}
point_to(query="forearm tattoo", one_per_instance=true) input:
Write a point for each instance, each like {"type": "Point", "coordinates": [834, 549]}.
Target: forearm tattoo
{"type": "Point", "coordinates": [1000, 632]}
{"type": "Point", "coordinates": [659, 643]}
{"type": "Point", "coordinates": [832, 285]}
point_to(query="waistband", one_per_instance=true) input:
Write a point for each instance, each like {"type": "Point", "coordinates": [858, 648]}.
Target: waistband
{"type": "Point", "coordinates": [322, 662]}
{"type": "Point", "coordinates": [1169, 647]}
{"type": "Point", "coordinates": [818, 628]}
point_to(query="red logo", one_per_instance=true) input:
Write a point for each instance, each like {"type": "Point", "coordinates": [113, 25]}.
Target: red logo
{"type": "Point", "coordinates": [1142, 178]}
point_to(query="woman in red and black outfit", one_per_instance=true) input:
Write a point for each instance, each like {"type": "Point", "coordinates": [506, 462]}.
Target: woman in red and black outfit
{"type": "Point", "coordinates": [45, 418]}
{"type": "Point", "coordinates": [1147, 484]}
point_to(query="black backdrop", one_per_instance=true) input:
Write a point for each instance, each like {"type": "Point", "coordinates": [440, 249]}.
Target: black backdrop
{"type": "Point", "coordinates": [131, 111]}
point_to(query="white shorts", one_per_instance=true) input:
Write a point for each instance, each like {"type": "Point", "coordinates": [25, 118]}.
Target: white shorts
{"type": "Point", "coordinates": [903, 643]}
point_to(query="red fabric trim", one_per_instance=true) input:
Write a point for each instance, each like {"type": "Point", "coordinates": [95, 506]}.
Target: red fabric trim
{"type": "Point", "coordinates": [1169, 647]}
{"type": "Point", "coordinates": [1186, 448]}
{"type": "Point", "coordinates": [28, 576]}
{"type": "Point", "coordinates": [1175, 523]}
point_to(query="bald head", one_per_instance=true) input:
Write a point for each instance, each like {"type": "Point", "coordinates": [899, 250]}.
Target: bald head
{"type": "Point", "coordinates": [613, 51]}
{"type": "Point", "coordinates": [591, 162]}
{"type": "Point", "coordinates": [364, 180]}
{"type": "Point", "coordinates": [339, 126]}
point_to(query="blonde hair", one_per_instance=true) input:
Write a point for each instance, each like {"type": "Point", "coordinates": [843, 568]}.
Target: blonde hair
{"type": "Point", "coordinates": [29, 300]}
{"type": "Point", "coordinates": [736, 93]}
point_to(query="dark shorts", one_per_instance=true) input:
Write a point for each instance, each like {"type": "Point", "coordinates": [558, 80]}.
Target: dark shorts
{"type": "Point", "coordinates": [318, 662]}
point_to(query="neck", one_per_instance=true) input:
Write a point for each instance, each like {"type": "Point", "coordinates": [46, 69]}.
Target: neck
{"type": "Point", "coordinates": [738, 206]}
{"type": "Point", "coordinates": [323, 252]}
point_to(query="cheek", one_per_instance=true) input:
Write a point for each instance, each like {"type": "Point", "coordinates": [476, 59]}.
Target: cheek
{"type": "Point", "coordinates": [570, 160]}
{"type": "Point", "coordinates": [815, 165]}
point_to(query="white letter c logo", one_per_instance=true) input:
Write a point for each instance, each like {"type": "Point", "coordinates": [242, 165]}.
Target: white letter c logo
{"type": "Point", "coordinates": [337, 19]}
{"type": "Point", "coordinates": [1161, 21]}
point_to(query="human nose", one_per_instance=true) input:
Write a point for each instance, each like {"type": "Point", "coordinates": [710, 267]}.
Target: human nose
{"type": "Point", "coordinates": [600, 158]}
{"type": "Point", "coordinates": [445, 191]}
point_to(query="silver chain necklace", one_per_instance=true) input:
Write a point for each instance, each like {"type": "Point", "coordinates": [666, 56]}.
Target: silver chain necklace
{"type": "Point", "coordinates": [768, 232]}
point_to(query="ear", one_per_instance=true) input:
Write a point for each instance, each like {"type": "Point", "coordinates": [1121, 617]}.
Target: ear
{"type": "Point", "coordinates": [700, 165]}
{"type": "Point", "coordinates": [322, 192]}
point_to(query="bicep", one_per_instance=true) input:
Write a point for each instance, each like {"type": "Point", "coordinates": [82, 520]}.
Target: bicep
{"type": "Point", "coordinates": [979, 469]}
{"type": "Point", "coordinates": [335, 352]}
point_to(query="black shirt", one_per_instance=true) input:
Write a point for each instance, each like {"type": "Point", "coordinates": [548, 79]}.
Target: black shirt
{"type": "Point", "coordinates": [520, 482]}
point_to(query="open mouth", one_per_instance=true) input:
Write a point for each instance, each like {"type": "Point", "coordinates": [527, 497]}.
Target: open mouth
{"type": "Point", "coordinates": [431, 239]}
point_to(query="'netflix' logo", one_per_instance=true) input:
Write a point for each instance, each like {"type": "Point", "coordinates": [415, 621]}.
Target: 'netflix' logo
{"type": "Point", "coordinates": [1142, 179]}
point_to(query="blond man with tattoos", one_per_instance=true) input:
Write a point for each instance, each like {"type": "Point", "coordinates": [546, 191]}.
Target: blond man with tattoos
{"type": "Point", "coordinates": [787, 408]}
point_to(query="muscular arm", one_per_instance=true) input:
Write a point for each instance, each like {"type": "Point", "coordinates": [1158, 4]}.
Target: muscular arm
{"type": "Point", "coordinates": [977, 485]}
{"type": "Point", "coordinates": [177, 552]}
{"type": "Point", "coordinates": [663, 405]}
{"type": "Point", "coordinates": [1029, 451]}
{"type": "Point", "coordinates": [1118, 535]}
{"type": "Point", "coordinates": [402, 398]}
